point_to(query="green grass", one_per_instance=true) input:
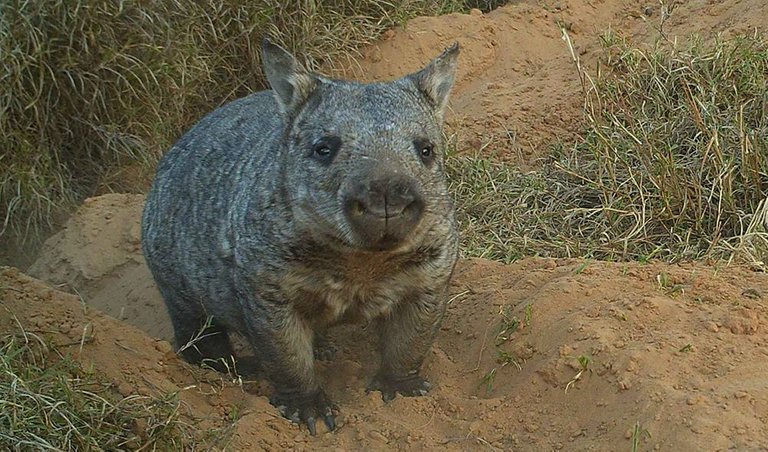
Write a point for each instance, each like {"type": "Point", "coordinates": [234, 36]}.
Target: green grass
{"type": "Point", "coordinates": [49, 401]}
{"type": "Point", "coordinates": [672, 164]}
{"type": "Point", "coordinates": [92, 92]}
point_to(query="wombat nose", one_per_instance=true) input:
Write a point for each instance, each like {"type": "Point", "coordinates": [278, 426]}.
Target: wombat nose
{"type": "Point", "coordinates": [386, 208]}
{"type": "Point", "coordinates": [385, 198]}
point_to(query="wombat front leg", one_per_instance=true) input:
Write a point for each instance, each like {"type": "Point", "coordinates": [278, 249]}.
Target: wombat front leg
{"type": "Point", "coordinates": [282, 342]}
{"type": "Point", "coordinates": [405, 336]}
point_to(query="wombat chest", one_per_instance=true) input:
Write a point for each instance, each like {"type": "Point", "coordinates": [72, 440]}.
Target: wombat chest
{"type": "Point", "coordinates": [350, 294]}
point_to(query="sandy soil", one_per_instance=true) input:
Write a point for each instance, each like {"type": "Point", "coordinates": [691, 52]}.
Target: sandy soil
{"type": "Point", "coordinates": [600, 347]}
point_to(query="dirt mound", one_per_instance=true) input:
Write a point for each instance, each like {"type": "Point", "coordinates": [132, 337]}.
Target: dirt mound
{"type": "Point", "coordinates": [582, 351]}
{"type": "Point", "coordinates": [518, 88]}
{"type": "Point", "coordinates": [97, 255]}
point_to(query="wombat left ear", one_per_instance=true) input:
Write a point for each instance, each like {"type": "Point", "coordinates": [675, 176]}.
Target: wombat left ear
{"type": "Point", "coordinates": [291, 83]}
{"type": "Point", "coordinates": [437, 78]}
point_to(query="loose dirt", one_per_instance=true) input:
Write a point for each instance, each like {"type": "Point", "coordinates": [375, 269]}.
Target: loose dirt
{"type": "Point", "coordinates": [541, 354]}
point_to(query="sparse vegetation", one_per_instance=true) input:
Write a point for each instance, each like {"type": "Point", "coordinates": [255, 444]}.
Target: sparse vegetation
{"type": "Point", "coordinates": [528, 315]}
{"type": "Point", "coordinates": [508, 326]}
{"type": "Point", "coordinates": [49, 401]}
{"type": "Point", "coordinates": [672, 164]}
{"type": "Point", "coordinates": [584, 362]}
{"type": "Point", "coordinates": [638, 435]}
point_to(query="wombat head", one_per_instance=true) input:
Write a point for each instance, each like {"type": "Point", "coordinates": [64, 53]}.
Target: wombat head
{"type": "Point", "coordinates": [363, 162]}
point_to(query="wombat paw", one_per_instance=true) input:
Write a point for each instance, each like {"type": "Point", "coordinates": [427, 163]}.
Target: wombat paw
{"type": "Point", "coordinates": [324, 349]}
{"type": "Point", "coordinates": [411, 386]}
{"type": "Point", "coordinates": [306, 409]}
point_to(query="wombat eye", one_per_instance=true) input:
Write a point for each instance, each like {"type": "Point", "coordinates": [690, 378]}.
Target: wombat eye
{"type": "Point", "coordinates": [322, 150]}
{"type": "Point", "coordinates": [325, 148]}
{"type": "Point", "coordinates": [425, 149]}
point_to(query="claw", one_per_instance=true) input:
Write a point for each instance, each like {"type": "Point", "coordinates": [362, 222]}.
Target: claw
{"type": "Point", "coordinates": [311, 426]}
{"type": "Point", "coordinates": [306, 408]}
{"type": "Point", "coordinates": [330, 422]}
{"type": "Point", "coordinates": [411, 386]}
{"type": "Point", "coordinates": [388, 396]}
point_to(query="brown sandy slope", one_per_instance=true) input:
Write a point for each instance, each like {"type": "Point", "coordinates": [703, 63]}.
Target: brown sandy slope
{"type": "Point", "coordinates": [679, 349]}
{"type": "Point", "coordinates": [518, 87]}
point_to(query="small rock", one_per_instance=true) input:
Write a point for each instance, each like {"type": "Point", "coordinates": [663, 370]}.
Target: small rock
{"type": "Point", "coordinates": [712, 326]}
{"type": "Point", "coordinates": [740, 394]}
{"type": "Point", "coordinates": [531, 428]}
{"type": "Point", "coordinates": [378, 436]}
{"type": "Point", "coordinates": [140, 427]}
{"type": "Point", "coordinates": [624, 384]}
{"type": "Point", "coordinates": [475, 12]}
{"type": "Point", "coordinates": [163, 347]}
{"type": "Point", "coordinates": [124, 389]}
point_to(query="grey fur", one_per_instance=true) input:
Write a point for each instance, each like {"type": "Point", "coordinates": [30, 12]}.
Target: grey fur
{"type": "Point", "coordinates": [246, 222]}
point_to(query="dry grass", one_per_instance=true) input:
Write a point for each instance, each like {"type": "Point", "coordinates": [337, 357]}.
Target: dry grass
{"type": "Point", "coordinates": [672, 164]}
{"type": "Point", "coordinates": [89, 89]}
{"type": "Point", "coordinates": [49, 401]}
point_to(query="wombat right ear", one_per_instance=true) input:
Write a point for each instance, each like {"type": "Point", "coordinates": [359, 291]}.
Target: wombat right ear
{"type": "Point", "coordinates": [291, 83]}
{"type": "Point", "coordinates": [436, 80]}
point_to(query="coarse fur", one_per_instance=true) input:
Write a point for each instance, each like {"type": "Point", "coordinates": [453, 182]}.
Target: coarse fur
{"type": "Point", "coordinates": [321, 201]}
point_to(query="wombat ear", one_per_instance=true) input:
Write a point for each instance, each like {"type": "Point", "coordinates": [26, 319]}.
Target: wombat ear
{"type": "Point", "coordinates": [291, 83]}
{"type": "Point", "coordinates": [436, 80]}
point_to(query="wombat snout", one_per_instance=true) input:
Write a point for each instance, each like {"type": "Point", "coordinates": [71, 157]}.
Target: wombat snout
{"type": "Point", "coordinates": [383, 208]}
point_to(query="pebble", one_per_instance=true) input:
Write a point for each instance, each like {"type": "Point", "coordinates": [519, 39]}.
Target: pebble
{"type": "Point", "coordinates": [531, 428]}
{"type": "Point", "coordinates": [124, 389]}
{"type": "Point", "coordinates": [163, 347]}
{"type": "Point", "coordinates": [378, 436]}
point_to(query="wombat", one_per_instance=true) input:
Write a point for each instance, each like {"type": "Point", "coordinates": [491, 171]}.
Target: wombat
{"type": "Point", "coordinates": [288, 211]}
